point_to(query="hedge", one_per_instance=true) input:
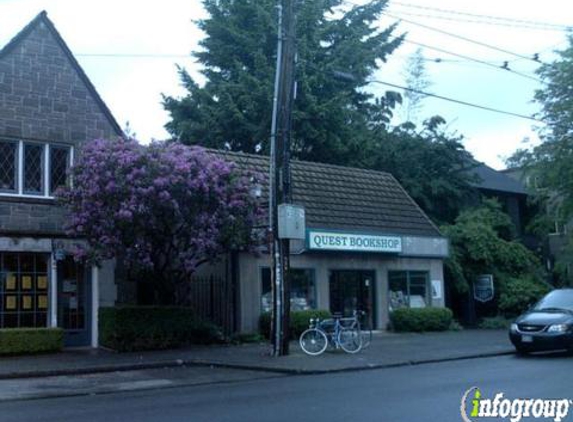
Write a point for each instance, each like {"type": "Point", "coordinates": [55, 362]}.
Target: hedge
{"type": "Point", "coordinates": [421, 319]}
{"type": "Point", "coordinates": [133, 328]}
{"type": "Point", "coordinates": [518, 294]}
{"type": "Point", "coordinates": [299, 321]}
{"type": "Point", "coordinates": [17, 341]}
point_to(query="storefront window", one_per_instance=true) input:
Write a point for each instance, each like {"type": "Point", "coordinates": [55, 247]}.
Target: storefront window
{"type": "Point", "coordinates": [302, 290]}
{"type": "Point", "coordinates": [408, 289]}
{"type": "Point", "coordinates": [23, 290]}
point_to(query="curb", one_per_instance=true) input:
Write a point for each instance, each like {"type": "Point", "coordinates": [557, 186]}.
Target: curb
{"type": "Point", "coordinates": [216, 364]}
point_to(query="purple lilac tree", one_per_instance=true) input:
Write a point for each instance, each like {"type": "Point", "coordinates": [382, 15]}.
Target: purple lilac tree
{"type": "Point", "coordinates": [162, 209]}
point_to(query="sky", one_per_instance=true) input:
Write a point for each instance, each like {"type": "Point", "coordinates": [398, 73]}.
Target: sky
{"type": "Point", "coordinates": [130, 51]}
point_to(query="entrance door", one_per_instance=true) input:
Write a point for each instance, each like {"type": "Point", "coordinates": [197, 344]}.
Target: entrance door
{"type": "Point", "coordinates": [74, 304]}
{"type": "Point", "coordinates": [352, 290]}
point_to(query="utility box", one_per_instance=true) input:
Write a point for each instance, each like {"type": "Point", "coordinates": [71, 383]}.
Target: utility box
{"type": "Point", "coordinates": [292, 223]}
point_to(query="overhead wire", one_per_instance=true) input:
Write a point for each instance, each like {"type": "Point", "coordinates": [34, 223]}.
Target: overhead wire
{"type": "Point", "coordinates": [504, 66]}
{"type": "Point", "coordinates": [480, 22]}
{"type": "Point", "coordinates": [461, 37]}
{"type": "Point", "coordinates": [486, 17]}
{"type": "Point", "coordinates": [454, 100]}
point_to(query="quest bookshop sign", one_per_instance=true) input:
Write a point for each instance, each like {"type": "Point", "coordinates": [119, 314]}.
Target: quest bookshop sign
{"type": "Point", "coordinates": [333, 241]}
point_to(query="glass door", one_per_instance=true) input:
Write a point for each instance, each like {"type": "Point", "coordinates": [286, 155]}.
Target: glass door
{"type": "Point", "coordinates": [74, 302]}
{"type": "Point", "coordinates": [352, 290]}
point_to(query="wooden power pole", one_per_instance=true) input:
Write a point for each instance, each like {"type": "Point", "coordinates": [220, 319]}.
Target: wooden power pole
{"type": "Point", "coordinates": [280, 178]}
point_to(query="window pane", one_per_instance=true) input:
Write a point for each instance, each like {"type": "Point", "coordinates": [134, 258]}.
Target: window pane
{"type": "Point", "coordinates": [266, 294]}
{"type": "Point", "coordinates": [8, 158]}
{"type": "Point", "coordinates": [398, 289]}
{"type": "Point", "coordinates": [59, 159]}
{"type": "Point", "coordinates": [418, 289]}
{"type": "Point", "coordinates": [24, 286]}
{"type": "Point", "coordinates": [33, 168]}
{"type": "Point", "coordinates": [302, 290]}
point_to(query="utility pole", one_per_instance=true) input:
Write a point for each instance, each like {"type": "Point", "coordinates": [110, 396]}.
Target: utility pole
{"type": "Point", "coordinates": [280, 178]}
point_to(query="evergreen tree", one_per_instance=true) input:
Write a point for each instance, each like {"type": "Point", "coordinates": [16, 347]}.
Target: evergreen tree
{"type": "Point", "coordinates": [431, 164]}
{"type": "Point", "coordinates": [417, 80]}
{"type": "Point", "coordinates": [333, 119]}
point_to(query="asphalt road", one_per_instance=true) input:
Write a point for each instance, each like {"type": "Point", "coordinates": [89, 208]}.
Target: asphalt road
{"type": "Point", "coordinates": [429, 392]}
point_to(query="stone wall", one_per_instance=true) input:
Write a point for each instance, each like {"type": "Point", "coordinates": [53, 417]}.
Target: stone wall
{"type": "Point", "coordinates": [44, 96]}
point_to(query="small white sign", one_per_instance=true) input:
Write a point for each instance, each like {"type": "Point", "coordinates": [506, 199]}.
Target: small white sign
{"type": "Point", "coordinates": [332, 241]}
{"type": "Point", "coordinates": [436, 289]}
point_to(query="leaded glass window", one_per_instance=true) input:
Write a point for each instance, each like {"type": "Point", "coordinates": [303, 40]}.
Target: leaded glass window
{"type": "Point", "coordinates": [34, 168]}
{"type": "Point", "coordinates": [59, 161]}
{"type": "Point", "coordinates": [8, 160]}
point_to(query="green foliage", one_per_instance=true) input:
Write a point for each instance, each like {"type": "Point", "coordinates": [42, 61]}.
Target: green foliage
{"type": "Point", "coordinates": [550, 164]}
{"type": "Point", "coordinates": [517, 294]}
{"type": "Point", "coordinates": [421, 319]}
{"type": "Point", "coordinates": [299, 321]}
{"type": "Point", "coordinates": [431, 165]}
{"type": "Point", "coordinates": [19, 341]}
{"type": "Point", "coordinates": [416, 77]}
{"type": "Point", "coordinates": [333, 117]}
{"type": "Point", "coordinates": [133, 328]}
{"type": "Point", "coordinates": [243, 338]}
{"type": "Point", "coordinates": [494, 323]}
{"type": "Point", "coordinates": [481, 243]}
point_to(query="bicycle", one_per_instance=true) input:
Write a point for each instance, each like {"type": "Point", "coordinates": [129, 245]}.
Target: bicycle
{"type": "Point", "coordinates": [315, 340]}
{"type": "Point", "coordinates": [365, 328]}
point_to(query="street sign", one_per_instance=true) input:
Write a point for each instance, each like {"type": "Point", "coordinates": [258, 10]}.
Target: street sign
{"type": "Point", "coordinates": [483, 288]}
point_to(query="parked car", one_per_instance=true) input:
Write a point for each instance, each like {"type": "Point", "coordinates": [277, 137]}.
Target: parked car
{"type": "Point", "coordinates": [548, 325]}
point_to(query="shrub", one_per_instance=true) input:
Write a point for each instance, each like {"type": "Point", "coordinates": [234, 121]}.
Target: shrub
{"type": "Point", "coordinates": [17, 341]}
{"type": "Point", "coordinates": [134, 328]}
{"type": "Point", "coordinates": [242, 338]}
{"type": "Point", "coordinates": [494, 323]}
{"type": "Point", "coordinates": [517, 295]}
{"type": "Point", "coordinates": [421, 319]}
{"type": "Point", "coordinates": [298, 321]}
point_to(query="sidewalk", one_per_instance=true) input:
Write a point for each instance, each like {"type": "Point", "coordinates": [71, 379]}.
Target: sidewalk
{"type": "Point", "coordinates": [386, 350]}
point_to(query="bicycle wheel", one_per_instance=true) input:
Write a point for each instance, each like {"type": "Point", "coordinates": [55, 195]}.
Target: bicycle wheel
{"type": "Point", "coordinates": [350, 340]}
{"type": "Point", "coordinates": [313, 342]}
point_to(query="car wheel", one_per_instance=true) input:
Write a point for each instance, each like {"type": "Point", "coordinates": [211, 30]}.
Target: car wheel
{"type": "Point", "coordinates": [522, 351]}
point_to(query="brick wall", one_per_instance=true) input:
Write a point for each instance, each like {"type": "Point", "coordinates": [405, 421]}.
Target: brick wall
{"type": "Point", "coordinates": [43, 98]}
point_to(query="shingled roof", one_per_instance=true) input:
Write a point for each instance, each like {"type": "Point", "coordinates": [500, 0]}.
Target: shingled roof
{"type": "Point", "coordinates": [498, 181]}
{"type": "Point", "coordinates": [346, 198]}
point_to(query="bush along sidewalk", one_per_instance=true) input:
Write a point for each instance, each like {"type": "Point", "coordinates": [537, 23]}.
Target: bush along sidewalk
{"type": "Point", "coordinates": [421, 319]}
{"type": "Point", "coordinates": [20, 341]}
{"type": "Point", "coordinates": [299, 321]}
{"type": "Point", "coordinates": [134, 328]}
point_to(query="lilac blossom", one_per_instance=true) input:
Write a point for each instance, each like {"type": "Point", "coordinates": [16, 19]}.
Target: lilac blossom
{"type": "Point", "coordinates": [163, 209]}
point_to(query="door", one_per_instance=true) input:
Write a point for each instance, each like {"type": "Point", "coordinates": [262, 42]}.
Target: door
{"type": "Point", "coordinates": [74, 304]}
{"type": "Point", "coordinates": [352, 290]}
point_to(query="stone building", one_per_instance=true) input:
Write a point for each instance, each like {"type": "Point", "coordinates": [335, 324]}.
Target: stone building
{"type": "Point", "coordinates": [48, 108]}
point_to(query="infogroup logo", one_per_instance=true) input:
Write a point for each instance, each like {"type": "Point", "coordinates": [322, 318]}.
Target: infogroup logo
{"type": "Point", "coordinates": [475, 407]}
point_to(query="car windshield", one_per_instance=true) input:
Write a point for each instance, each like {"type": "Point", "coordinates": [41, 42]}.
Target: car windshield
{"type": "Point", "coordinates": [556, 300]}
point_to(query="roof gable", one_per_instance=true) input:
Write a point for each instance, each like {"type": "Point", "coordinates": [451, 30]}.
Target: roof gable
{"type": "Point", "coordinates": [346, 198]}
{"type": "Point", "coordinates": [42, 27]}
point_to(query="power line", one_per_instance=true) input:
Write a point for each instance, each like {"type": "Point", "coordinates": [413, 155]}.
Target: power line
{"type": "Point", "coordinates": [480, 22]}
{"type": "Point", "coordinates": [489, 17]}
{"type": "Point", "coordinates": [492, 47]}
{"type": "Point", "coordinates": [131, 55]}
{"type": "Point", "coordinates": [504, 66]}
{"type": "Point", "coordinates": [456, 101]}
